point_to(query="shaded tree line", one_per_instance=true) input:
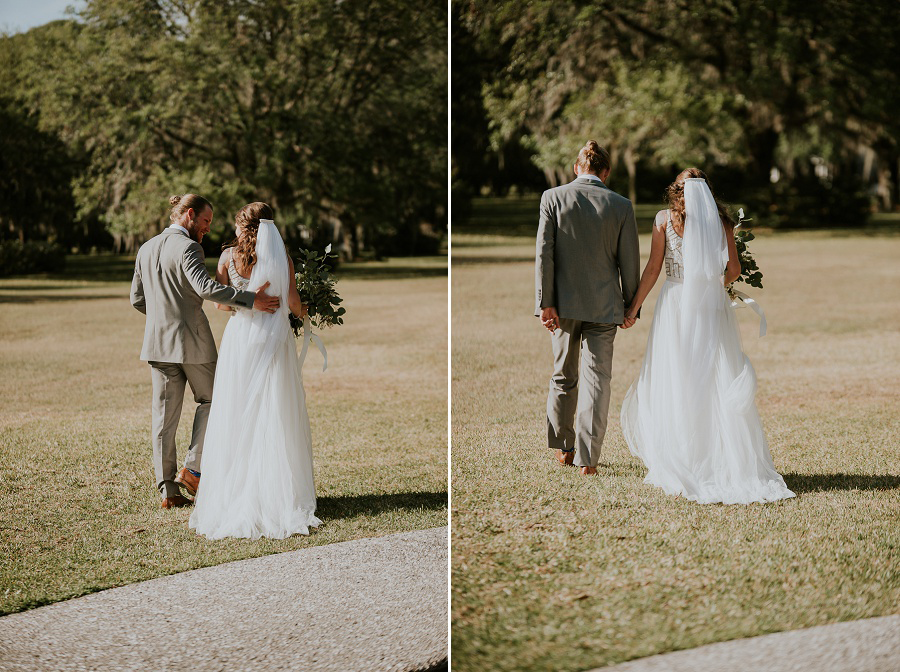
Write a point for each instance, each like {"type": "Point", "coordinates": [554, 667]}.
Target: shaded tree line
{"type": "Point", "coordinates": [789, 104]}
{"type": "Point", "coordinates": [332, 112]}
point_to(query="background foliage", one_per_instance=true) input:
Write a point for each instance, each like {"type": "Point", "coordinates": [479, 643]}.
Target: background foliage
{"type": "Point", "coordinates": [789, 105]}
{"type": "Point", "coordinates": [332, 112]}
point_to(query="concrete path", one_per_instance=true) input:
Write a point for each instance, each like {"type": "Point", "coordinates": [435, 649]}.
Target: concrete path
{"type": "Point", "coordinates": [870, 645]}
{"type": "Point", "coordinates": [370, 604]}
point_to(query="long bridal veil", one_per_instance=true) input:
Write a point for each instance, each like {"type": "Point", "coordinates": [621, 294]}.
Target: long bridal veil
{"type": "Point", "coordinates": [257, 470]}
{"type": "Point", "coordinates": [705, 255]}
{"type": "Point", "coordinates": [690, 416]}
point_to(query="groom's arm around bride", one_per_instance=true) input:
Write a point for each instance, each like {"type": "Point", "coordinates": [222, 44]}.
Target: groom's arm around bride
{"type": "Point", "coordinates": [169, 286]}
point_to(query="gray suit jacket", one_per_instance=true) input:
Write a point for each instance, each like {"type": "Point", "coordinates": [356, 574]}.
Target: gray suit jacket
{"type": "Point", "coordinates": [588, 263]}
{"type": "Point", "coordinates": [169, 285]}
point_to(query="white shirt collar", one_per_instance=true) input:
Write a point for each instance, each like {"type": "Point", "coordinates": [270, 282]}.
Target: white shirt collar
{"type": "Point", "coordinates": [181, 228]}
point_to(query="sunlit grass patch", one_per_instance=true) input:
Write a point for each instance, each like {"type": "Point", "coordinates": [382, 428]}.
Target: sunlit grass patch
{"type": "Point", "coordinates": [552, 570]}
{"type": "Point", "coordinates": [79, 511]}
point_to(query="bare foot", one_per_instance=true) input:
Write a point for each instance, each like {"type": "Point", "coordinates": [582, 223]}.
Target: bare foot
{"type": "Point", "coordinates": [588, 471]}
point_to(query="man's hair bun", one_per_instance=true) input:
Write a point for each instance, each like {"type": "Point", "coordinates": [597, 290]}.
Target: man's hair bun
{"type": "Point", "coordinates": [593, 157]}
{"type": "Point", "coordinates": [181, 204]}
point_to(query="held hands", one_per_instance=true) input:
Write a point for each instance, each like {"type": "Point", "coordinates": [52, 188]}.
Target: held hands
{"type": "Point", "coordinates": [264, 302]}
{"type": "Point", "coordinates": [630, 318]}
{"type": "Point", "coordinates": [550, 318]}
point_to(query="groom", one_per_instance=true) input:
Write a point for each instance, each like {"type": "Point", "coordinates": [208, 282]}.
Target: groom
{"type": "Point", "coordinates": [169, 286]}
{"type": "Point", "coordinates": [586, 272]}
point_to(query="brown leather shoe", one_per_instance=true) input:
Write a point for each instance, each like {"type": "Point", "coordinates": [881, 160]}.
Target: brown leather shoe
{"type": "Point", "coordinates": [588, 471]}
{"type": "Point", "coordinates": [188, 481]}
{"type": "Point", "coordinates": [175, 502]}
{"type": "Point", "coordinates": [565, 457]}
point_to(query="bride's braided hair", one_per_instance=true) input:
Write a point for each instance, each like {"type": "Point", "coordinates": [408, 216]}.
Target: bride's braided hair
{"type": "Point", "coordinates": [675, 199]}
{"type": "Point", "coordinates": [245, 246]}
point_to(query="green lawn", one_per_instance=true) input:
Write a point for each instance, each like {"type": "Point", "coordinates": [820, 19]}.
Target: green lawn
{"type": "Point", "coordinates": [555, 571]}
{"type": "Point", "coordinates": [79, 511]}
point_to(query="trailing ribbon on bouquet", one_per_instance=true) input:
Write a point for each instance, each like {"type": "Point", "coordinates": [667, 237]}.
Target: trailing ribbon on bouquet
{"type": "Point", "coordinates": [746, 300]}
{"type": "Point", "coordinates": [308, 336]}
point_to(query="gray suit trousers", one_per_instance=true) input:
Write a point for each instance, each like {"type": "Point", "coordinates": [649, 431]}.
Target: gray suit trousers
{"type": "Point", "coordinates": [578, 403]}
{"type": "Point", "coordinates": [168, 394]}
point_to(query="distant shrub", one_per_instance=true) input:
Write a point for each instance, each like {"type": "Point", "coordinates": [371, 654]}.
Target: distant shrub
{"type": "Point", "coordinates": [33, 256]}
{"type": "Point", "coordinates": [807, 202]}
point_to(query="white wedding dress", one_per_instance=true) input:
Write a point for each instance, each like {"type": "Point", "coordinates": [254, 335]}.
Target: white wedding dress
{"type": "Point", "coordinates": [690, 416]}
{"type": "Point", "coordinates": [257, 469]}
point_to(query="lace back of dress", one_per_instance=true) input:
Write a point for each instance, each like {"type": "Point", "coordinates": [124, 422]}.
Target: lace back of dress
{"type": "Point", "coordinates": [237, 280]}
{"type": "Point", "coordinates": [673, 258]}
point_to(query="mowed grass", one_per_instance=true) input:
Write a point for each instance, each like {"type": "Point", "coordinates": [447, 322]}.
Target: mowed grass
{"type": "Point", "coordinates": [79, 510]}
{"type": "Point", "coordinates": [555, 571]}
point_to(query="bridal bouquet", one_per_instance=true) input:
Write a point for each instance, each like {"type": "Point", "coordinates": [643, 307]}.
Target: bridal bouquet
{"type": "Point", "coordinates": [315, 284]}
{"type": "Point", "coordinates": [750, 272]}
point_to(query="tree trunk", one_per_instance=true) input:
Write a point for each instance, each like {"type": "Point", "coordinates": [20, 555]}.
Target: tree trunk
{"type": "Point", "coordinates": [631, 167]}
{"type": "Point", "coordinates": [897, 179]}
{"type": "Point", "coordinates": [762, 149]}
{"type": "Point", "coordinates": [883, 187]}
{"type": "Point", "coordinates": [358, 237]}
{"type": "Point", "coordinates": [550, 176]}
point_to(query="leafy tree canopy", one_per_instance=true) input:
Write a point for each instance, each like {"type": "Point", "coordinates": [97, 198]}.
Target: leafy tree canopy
{"type": "Point", "coordinates": [332, 112]}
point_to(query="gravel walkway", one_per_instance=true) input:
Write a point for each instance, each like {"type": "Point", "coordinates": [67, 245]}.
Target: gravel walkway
{"type": "Point", "coordinates": [870, 645]}
{"type": "Point", "coordinates": [370, 604]}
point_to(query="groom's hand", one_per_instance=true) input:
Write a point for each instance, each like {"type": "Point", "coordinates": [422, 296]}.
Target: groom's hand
{"type": "Point", "coordinates": [264, 302]}
{"type": "Point", "coordinates": [550, 318]}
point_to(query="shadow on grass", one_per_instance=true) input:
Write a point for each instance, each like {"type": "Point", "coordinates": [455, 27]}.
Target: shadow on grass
{"type": "Point", "coordinates": [35, 288]}
{"type": "Point", "coordinates": [875, 230]}
{"type": "Point", "coordinates": [801, 483]}
{"type": "Point", "coordinates": [369, 271]}
{"type": "Point", "coordinates": [518, 217]}
{"type": "Point", "coordinates": [100, 268]}
{"type": "Point", "coordinates": [373, 505]}
{"type": "Point", "coordinates": [9, 297]}
{"type": "Point", "coordinates": [460, 242]}
{"type": "Point", "coordinates": [484, 259]}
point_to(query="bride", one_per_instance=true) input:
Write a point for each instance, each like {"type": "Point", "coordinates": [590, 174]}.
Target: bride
{"type": "Point", "coordinates": [257, 464]}
{"type": "Point", "coordinates": [691, 416]}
